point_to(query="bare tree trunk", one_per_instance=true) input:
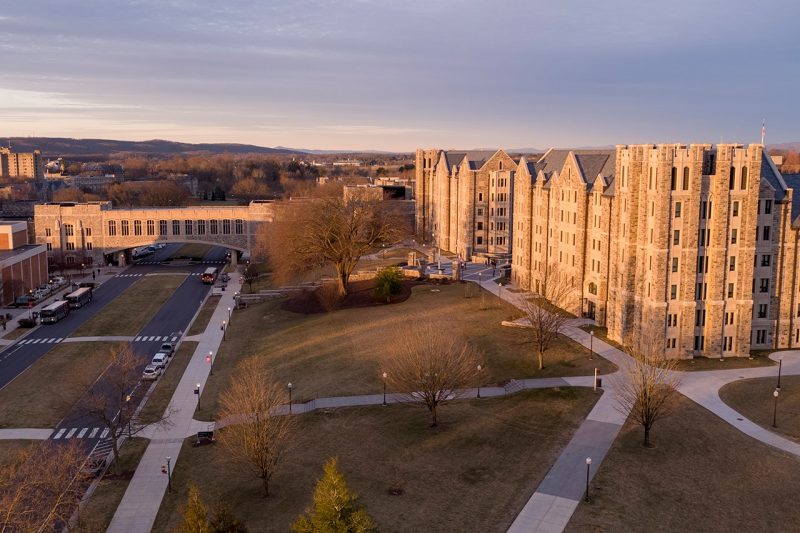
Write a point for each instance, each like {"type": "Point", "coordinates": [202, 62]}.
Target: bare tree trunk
{"type": "Point", "coordinates": [265, 483]}
{"type": "Point", "coordinates": [115, 448]}
{"type": "Point", "coordinates": [647, 436]}
{"type": "Point", "coordinates": [434, 419]}
{"type": "Point", "coordinates": [540, 353]}
{"type": "Point", "coordinates": [342, 279]}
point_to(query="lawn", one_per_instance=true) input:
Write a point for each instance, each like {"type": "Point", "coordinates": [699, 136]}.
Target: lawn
{"type": "Point", "coordinates": [16, 334]}
{"type": "Point", "coordinates": [44, 393]}
{"type": "Point", "coordinates": [472, 473]}
{"type": "Point", "coordinates": [159, 399]}
{"type": "Point", "coordinates": [10, 448]}
{"type": "Point", "coordinates": [703, 475]}
{"type": "Point", "coordinates": [753, 398]}
{"type": "Point", "coordinates": [344, 352]}
{"type": "Point", "coordinates": [193, 250]}
{"type": "Point", "coordinates": [204, 316]}
{"type": "Point", "coordinates": [133, 309]}
{"type": "Point", "coordinates": [100, 509]}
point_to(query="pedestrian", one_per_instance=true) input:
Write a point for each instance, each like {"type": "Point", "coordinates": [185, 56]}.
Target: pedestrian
{"type": "Point", "coordinates": [93, 276]}
{"type": "Point", "coordinates": [3, 320]}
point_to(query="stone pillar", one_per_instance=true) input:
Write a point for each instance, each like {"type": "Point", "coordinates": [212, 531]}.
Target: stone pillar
{"type": "Point", "coordinates": [234, 257]}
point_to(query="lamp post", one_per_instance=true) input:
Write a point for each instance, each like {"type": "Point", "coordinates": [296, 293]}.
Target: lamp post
{"type": "Point", "coordinates": [500, 290]}
{"type": "Point", "coordinates": [210, 361]}
{"type": "Point", "coordinates": [480, 284]}
{"type": "Point", "coordinates": [128, 409]}
{"type": "Point", "coordinates": [588, 466]}
{"type": "Point", "coordinates": [775, 395]}
{"type": "Point", "coordinates": [780, 364]}
{"type": "Point", "coordinates": [224, 324]}
{"type": "Point", "coordinates": [591, 342]}
{"type": "Point", "coordinates": [384, 375]}
{"type": "Point", "coordinates": [197, 392]}
{"type": "Point", "coordinates": [479, 380]}
{"type": "Point", "coordinates": [229, 313]}
{"type": "Point", "coordinates": [169, 474]}
{"type": "Point", "coordinates": [289, 386]}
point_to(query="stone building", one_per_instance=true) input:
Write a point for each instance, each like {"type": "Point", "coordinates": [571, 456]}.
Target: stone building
{"type": "Point", "coordinates": [23, 266]}
{"type": "Point", "coordinates": [696, 245]}
{"type": "Point", "coordinates": [21, 165]}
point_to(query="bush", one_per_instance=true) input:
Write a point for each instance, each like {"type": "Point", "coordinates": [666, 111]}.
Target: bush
{"type": "Point", "coordinates": [388, 281]}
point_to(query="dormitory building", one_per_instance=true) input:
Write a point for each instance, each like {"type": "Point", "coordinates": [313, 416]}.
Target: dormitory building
{"type": "Point", "coordinates": [697, 241]}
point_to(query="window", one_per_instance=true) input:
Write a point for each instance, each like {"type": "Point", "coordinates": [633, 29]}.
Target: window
{"type": "Point", "coordinates": [176, 227]}
{"type": "Point", "coordinates": [764, 287]}
{"type": "Point", "coordinates": [730, 290]}
{"type": "Point", "coordinates": [767, 207]}
{"type": "Point", "coordinates": [480, 211]}
{"type": "Point", "coordinates": [703, 206]}
{"type": "Point", "coordinates": [126, 230]}
{"type": "Point", "coordinates": [162, 227]}
{"type": "Point", "coordinates": [700, 264]}
{"type": "Point", "coordinates": [201, 227]}
{"type": "Point", "coordinates": [112, 228]}
{"type": "Point", "coordinates": [480, 196]}
{"type": "Point", "coordinates": [69, 230]}
{"type": "Point", "coordinates": [765, 233]}
{"type": "Point", "coordinates": [700, 317]}
{"type": "Point", "coordinates": [674, 264]}
{"type": "Point", "coordinates": [732, 182]}
{"type": "Point", "coordinates": [761, 336]}
{"type": "Point", "coordinates": [765, 260]}
{"type": "Point", "coordinates": [137, 227]}
{"type": "Point", "coordinates": [151, 227]}
{"type": "Point", "coordinates": [685, 178]}
{"type": "Point", "coordinates": [673, 292]}
{"type": "Point", "coordinates": [70, 246]}
{"type": "Point", "coordinates": [47, 232]}
{"type": "Point", "coordinates": [480, 225]}
{"type": "Point", "coordinates": [678, 209]}
{"type": "Point", "coordinates": [88, 232]}
{"type": "Point", "coordinates": [676, 237]}
{"type": "Point", "coordinates": [732, 263]}
{"type": "Point", "coordinates": [736, 209]}
{"type": "Point", "coordinates": [188, 226]}
{"type": "Point", "coordinates": [49, 246]}
{"type": "Point", "coordinates": [672, 179]}
{"type": "Point", "coordinates": [762, 310]}
{"type": "Point", "coordinates": [239, 226]}
{"type": "Point", "coordinates": [479, 240]}
{"type": "Point", "coordinates": [89, 245]}
{"type": "Point", "coordinates": [214, 227]}
{"type": "Point", "coordinates": [226, 227]}
{"type": "Point", "coordinates": [733, 236]}
{"type": "Point", "coordinates": [744, 178]}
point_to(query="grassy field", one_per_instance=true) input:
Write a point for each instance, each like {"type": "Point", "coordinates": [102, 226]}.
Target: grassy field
{"type": "Point", "coordinates": [344, 352]}
{"type": "Point", "coordinates": [133, 309]}
{"type": "Point", "coordinates": [44, 393]}
{"type": "Point", "coordinates": [703, 475]}
{"type": "Point", "coordinates": [753, 398]}
{"type": "Point", "coordinates": [473, 473]}
{"type": "Point", "coordinates": [16, 334]}
{"type": "Point", "coordinates": [201, 322]}
{"type": "Point", "coordinates": [191, 250]}
{"type": "Point", "coordinates": [10, 448]}
{"type": "Point", "coordinates": [158, 401]}
{"type": "Point", "coordinates": [103, 504]}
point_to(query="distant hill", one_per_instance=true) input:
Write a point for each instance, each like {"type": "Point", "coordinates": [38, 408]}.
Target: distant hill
{"type": "Point", "coordinates": [59, 146]}
{"type": "Point", "coordinates": [794, 146]}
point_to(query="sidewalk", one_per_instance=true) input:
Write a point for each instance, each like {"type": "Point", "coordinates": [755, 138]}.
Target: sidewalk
{"type": "Point", "coordinates": [25, 433]}
{"type": "Point", "coordinates": [139, 506]}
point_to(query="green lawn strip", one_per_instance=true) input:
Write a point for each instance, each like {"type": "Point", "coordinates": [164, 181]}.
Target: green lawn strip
{"type": "Point", "coordinates": [754, 399]}
{"type": "Point", "coordinates": [472, 473]}
{"type": "Point", "coordinates": [345, 352]}
{"type": "Point", "coordinates": [44, 393]}
{"type": "Point", "coordinates": [165, 388]}
{"type": "Point", "coordinates": [133, 309]}
{"type": "Point", "coordinates": [100, 509]}
{"type": "Point", "coordinates": [204, 316]}
{"type": "Point", "coordinates": [702, 475]}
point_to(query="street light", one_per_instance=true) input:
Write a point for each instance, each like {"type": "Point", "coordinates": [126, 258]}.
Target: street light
{"type": "Point", "coordinates": [210, 361]}
{"type": "Point", "coordinates": [169, 474]}
{"type": "Point", "coordinates": [197, 392]}
{"type": "Point", "coordinates": [588, 466]}
{"type": "Point", "coordinates": [229, 313]}
{"type": "Point", "coordinates": [223, 329]}
{"type": "Point", "coordinates": [289, 386]}
{"type": "Point", "coordinates": [479, 380]}
{"type": "Point", "coordinates": [780, 364]}
{"type": "Point", "coordinates": [385, 375]}
{"type": "Point", "coordinates": [480, 284]}
{"type": "Point", "coordinates": [128, 408]}
{"type": "Point", "coordinates": [591, 347]}
{"type": "Point", "coordinates": [775, 395]}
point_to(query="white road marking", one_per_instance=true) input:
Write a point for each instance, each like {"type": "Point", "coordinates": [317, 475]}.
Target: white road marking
{"type": "Point", "coordinates": [137, 339]}
{"type": "Point", "coordinates": [82, 432]}
{"type": "Point", "coordinates": [93, 433]}
{"type": "Point", "coordinates": [104, 433]}
{"type": "Point", "coordinates": [59, 433]}
{"type": "Point", "coordinates": [71, 433]}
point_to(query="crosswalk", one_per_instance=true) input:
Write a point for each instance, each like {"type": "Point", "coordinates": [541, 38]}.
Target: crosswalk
{"type": "Point", "coordinates": [48, 340]}
{"type": "Point", "coordinates": [140, 338]}
{"type": "Point", "coordinates": [80, 433]}
{"type": "Point", "coordinates": [214, 262]}
{"type": "Point", "coordinates": [156, 338]}
{"type": "Point", "coordinates": [129, 275]}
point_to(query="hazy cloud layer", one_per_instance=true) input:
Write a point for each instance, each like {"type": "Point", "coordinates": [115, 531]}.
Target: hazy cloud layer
{"type": "Point", "coordinates": [396, 75]}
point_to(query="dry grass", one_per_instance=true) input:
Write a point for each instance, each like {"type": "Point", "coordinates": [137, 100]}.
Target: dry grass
{"type": "Point", "coordinates": [753, 398]}
{"type": "Point", "coordinates": [204, 316]}
{"type": "Point", "coordinates": [16, 334]}
{"type": "Point", "coordinates": [44, 393]}
{"type": "Point", "coordinates": [133, 309]}
{"type": "Point", "coordinates": [703, 475]}
{"type": "Point", "coordinates": [101, 507]}
{"type": "Point", "coordinates": [192, 250]}
{"type": "Point", "coordinates": [168, 382]}
{"type": "Point", "coordinates": [10, 448]}
{"type": "Point", "coordinates": [473, 473]}
{"type": "Point", "coordinates": [344, 352]}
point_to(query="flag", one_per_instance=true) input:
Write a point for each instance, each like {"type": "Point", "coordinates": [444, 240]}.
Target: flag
{"type": "Point", "coordinates": [763, 130]}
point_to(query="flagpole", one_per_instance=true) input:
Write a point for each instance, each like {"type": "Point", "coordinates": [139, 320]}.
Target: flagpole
{"type": "Point", "coordinates": [763, 130]}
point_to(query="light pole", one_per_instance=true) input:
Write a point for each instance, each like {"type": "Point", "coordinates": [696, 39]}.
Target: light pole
{"type": "Point", "coordinates": [500, 290]}
{"type": "Point", "coordinates": [229, 313]}
{"type": "Point", "coordinates": [780, 364]}
{"type": "Point", "coordinates": [480, 284]}
{"type": "Point", "coordinates": [775, 395]}
{"type": "Point", "coordinates": [591, 342]}
{"type": "Point", "coordinates": [210, 361]}
{"type": "Point", "coordinates": [385, 375]}
{"type": "Point", "coordinates": [588, 466]}
{"type": "Point", "coordinates": [128, 409]}
{"type": "Point", "coordinates": [289, 386]}
{"type": "Point", "coordinates": [169, 474]}
{"type": "Point", "coordinates": [223, 329]}
{"type": "Point", "coordinates": [197, 392]}
{"type": "Point", "coordinates": [479, 380]}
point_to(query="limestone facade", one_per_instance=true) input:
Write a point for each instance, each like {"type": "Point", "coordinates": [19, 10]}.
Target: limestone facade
{"type": "Point", "coordinates": [21, 165]}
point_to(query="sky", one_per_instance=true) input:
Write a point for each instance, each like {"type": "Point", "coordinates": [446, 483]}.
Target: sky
{"type": "Point", "coordinates": [401, 74]}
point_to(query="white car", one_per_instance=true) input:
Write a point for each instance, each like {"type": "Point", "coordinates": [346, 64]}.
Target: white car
{"type": "Point", "coordinates": [159, 360]}
{"type": "Point", "coordinates": [151, 373]}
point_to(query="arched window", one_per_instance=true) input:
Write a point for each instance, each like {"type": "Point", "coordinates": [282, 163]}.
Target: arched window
{"type": "Point", "coordinates": [673, 178]}
{"type": "Point", "coordinates": [732, 182]}
{"type": "Point", "coordinates": [744, 178]}
{"type": "Point", "coordinates": [500, 167]}
{"type": "Point", "coordinates": [685, 178]}
{"type": "Point", "coordinates": [593, 288]}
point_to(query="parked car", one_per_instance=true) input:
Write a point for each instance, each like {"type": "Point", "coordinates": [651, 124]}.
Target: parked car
{"type": "Point", "coordinates": [167, 348]}
{"type": "Point", "coordinates": [58, 281]}
{"type": "Point", "coordinates": [151, 372]}
{"type": "Point", "coordinates": [26, 322]}
{"type": "Point", "coordinates": [24, 300]}
{"type": "Point", "coordinates": [160, 360]}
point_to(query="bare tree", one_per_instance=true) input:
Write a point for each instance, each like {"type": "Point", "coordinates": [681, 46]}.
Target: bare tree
{"type": "Point", "coordinates": [40, 488]}
{"type": "Point", "coordinates": [329, 231]}
{"type": "Point", "coordinates": [255, 436]}
{"type": "Point", "coordinates": [647, 382]}
{"type": "Point", "coordinates": [545, 311]}
{"type": "Point", "coordinates": [432, 366]}
{"type": "Point", "coordinates": [109, 402]}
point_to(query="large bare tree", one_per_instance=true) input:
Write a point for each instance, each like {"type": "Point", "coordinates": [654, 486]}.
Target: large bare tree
{"type": "Point", "coordinates": [41, 487]}
{"type": "Point", "coordinates": [255, 436]}
{"type": "Point", "coordinates": [110, 403]}
{"type": "Point", "coordinates": [545, 311]}
{"type": "Point", "coordinates": [647, 382]}
{"type": "Point", "coordinates": [431, 365]}
{"type": "Point", "coordinates": [311, 234]}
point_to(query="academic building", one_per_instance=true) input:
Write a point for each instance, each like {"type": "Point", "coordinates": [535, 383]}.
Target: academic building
{"type": "Point", "coordinates": [21, 165]}
{"type": "Point", "coordinates": [696, 244]}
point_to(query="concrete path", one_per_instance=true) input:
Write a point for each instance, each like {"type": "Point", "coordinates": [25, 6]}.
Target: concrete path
{"type": "Point", "coordinates": [139, 506]}
{"type": "Point", "coordinates": [109, 338]}
{"type": "Point", "coordinates": [25, 433]}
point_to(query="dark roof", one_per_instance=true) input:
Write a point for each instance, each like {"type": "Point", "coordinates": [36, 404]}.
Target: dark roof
{"type": "Point", "coordinates": [453, 158]}
{"type": "Point", "coordinates": [773, 177]}
{"type": "Point", "coordinates": [793, 182]}
{"type": "Point", "coordinates": [475, 158]}
{"type": "Point", "coordinates": [591, 162]}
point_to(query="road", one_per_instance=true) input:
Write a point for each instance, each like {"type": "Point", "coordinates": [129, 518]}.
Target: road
{"type": "Point", "coordinates": [168, 323]}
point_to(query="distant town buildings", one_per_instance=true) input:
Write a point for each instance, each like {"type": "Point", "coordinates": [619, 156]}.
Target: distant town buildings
{"type": "Point", "coordinates": [21, 165]}
{"type": "Point", "coordinates": [697, 242]}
